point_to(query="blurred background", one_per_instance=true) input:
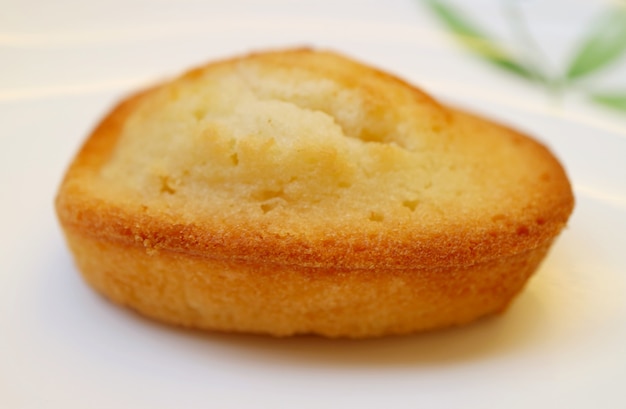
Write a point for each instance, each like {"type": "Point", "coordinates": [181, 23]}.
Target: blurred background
{"type": "Point", "coordinates": [533, 54]}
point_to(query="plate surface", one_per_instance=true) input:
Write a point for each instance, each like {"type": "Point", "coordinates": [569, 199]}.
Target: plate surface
{"type": "Point", "coordinates": [561, 344]}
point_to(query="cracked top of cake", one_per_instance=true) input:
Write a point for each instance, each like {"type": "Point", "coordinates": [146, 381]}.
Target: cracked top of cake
{"type": "Point", "coordinates": [310, 147]}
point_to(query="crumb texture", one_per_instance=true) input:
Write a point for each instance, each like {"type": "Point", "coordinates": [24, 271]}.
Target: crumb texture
{"type": "Point", "coordinates": [305, 137]}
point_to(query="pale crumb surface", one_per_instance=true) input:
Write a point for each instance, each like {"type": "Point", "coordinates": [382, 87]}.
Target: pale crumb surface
{"type": "Point", "coordinates": [307, 138]}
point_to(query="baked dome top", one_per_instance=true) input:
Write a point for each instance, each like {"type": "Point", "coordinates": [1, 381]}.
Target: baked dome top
{"type": "Point", "coordinates": [306, 157]}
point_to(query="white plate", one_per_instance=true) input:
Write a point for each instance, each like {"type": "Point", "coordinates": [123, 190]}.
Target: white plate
{"type": "Point", "coordinates": [62, 346]}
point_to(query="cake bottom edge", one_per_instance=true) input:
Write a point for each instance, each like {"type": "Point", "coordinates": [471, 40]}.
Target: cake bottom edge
{"type": "Point", "coordinates": [278, 300]}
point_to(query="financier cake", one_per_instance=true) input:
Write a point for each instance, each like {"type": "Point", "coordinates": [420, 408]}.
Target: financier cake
{"type": "Point", "coordinates": [298, 191]}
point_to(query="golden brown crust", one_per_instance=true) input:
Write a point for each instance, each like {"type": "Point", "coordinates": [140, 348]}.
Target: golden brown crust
{"type": "Point", "coordinates": [259, 297]}
{"type": "Point", "coordinates": [462, 270]}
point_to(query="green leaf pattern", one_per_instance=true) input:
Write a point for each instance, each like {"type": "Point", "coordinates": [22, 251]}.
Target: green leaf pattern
{"type": "Point", "coordinates": [603, 46]}
{"type": "Point", "coordinates": [479, 42]}
{"type": "Point", "coordinates": [615, 101]}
